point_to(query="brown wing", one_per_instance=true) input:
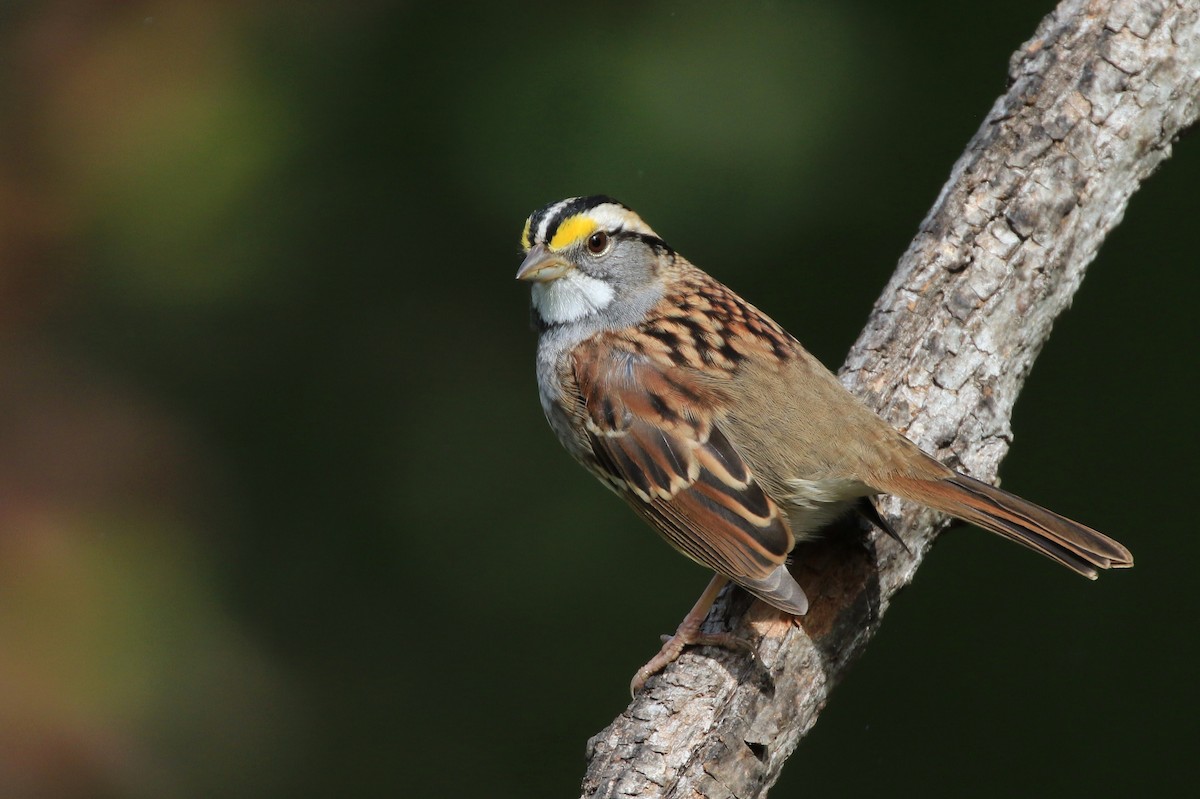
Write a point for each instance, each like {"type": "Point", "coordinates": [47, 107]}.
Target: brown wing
{"type": "Point", "coordinates": [656, 437]}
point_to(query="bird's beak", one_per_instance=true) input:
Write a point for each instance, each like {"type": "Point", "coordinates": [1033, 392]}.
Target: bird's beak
{"type": "Point", "coordinates": [542, 266]}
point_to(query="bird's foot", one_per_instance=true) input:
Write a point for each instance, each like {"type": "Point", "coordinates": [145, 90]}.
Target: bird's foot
{"type": "Point", "coordinates": [686, 635]}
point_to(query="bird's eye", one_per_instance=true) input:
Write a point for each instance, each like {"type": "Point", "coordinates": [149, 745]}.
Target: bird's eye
{"type": "Point", "coordinates": [597, 242]}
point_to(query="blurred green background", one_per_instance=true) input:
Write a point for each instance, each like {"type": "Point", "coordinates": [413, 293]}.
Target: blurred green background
{"type": "Point", "coordinates": [279, 513]}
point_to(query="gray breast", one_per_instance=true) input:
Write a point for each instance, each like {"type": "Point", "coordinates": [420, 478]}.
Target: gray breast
{"type": "Point", "coordinates": [553, 373]}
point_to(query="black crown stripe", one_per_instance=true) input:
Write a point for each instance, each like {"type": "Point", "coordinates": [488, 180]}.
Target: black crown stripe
{"type": "Point", "coordinates": [575, 206]}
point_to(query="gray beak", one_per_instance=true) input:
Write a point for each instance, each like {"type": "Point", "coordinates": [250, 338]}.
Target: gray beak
{"type": "Point", "coordinates": [542, 266]}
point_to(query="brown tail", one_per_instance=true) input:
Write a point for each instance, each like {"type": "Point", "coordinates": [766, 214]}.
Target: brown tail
{"type": "Point", "coordinates": [1074, 545]}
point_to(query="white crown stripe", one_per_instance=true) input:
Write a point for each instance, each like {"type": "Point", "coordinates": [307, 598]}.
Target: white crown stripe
{"type": "Point", "coordinates": [551, 215]}
{"type": "Point", "coordinates": [611, 216]}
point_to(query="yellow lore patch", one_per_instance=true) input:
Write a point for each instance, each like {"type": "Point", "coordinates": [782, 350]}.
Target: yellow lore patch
{"type": "Point", "coordinates": [572, 230]}
{"type": "Point", "coordinates": [525, 242]}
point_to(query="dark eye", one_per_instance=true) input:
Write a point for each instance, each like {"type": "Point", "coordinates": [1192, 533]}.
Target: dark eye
{"type": "Point", "coordinates": [597, 242]}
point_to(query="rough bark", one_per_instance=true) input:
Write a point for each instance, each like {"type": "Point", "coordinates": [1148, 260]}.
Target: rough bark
{"type": "Point", "coordinates": [1096, 99]}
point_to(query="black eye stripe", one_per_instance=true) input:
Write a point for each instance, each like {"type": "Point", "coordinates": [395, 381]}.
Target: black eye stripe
{"type": "Point", "coordinates": [653, 242]}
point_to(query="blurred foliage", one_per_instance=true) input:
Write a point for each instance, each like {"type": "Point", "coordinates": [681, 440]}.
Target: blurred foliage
{"type": "Point", "coordinates": [279, 515]}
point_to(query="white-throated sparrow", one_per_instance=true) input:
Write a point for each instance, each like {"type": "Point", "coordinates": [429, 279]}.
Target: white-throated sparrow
{"type": "Point", "coordinates": [717, 426]}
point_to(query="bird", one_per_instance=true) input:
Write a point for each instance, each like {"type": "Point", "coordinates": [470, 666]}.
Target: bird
{"type": "Point", "coordinates": [717, 427]}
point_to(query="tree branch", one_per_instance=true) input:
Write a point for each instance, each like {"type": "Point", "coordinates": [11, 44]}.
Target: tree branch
{"type": "Point", "coordinates": [1096, 99]}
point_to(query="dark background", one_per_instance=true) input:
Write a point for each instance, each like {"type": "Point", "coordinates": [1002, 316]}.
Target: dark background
{"type": "Point", "coordinates": [279, 513]}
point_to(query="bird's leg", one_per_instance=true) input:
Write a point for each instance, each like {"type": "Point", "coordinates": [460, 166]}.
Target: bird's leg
{"type": "Point", "coordinates": [688, 634]}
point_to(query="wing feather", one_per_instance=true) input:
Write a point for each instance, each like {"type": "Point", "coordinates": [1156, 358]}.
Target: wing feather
{"type": "Point", "coordinates": [660, 440]}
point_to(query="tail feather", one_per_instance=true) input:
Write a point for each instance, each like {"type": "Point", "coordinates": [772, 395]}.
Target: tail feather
{"type": "Point", "coordinates": [1074, 545]}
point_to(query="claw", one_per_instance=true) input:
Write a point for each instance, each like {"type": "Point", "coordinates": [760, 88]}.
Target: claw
{"type": "Point", "coordinates": [689, 634]}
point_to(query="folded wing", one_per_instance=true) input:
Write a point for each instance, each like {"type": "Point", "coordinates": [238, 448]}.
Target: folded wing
{"type": "Point", "coordinates": [656, 437]}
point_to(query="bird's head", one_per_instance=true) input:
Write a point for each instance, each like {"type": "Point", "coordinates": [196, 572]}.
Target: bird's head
{"type": "Point", "coordinates": [590, 258]}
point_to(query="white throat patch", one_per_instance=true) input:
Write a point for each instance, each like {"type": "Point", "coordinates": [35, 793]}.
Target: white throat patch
{"type": "Point", "coordinates": [570, 298]}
